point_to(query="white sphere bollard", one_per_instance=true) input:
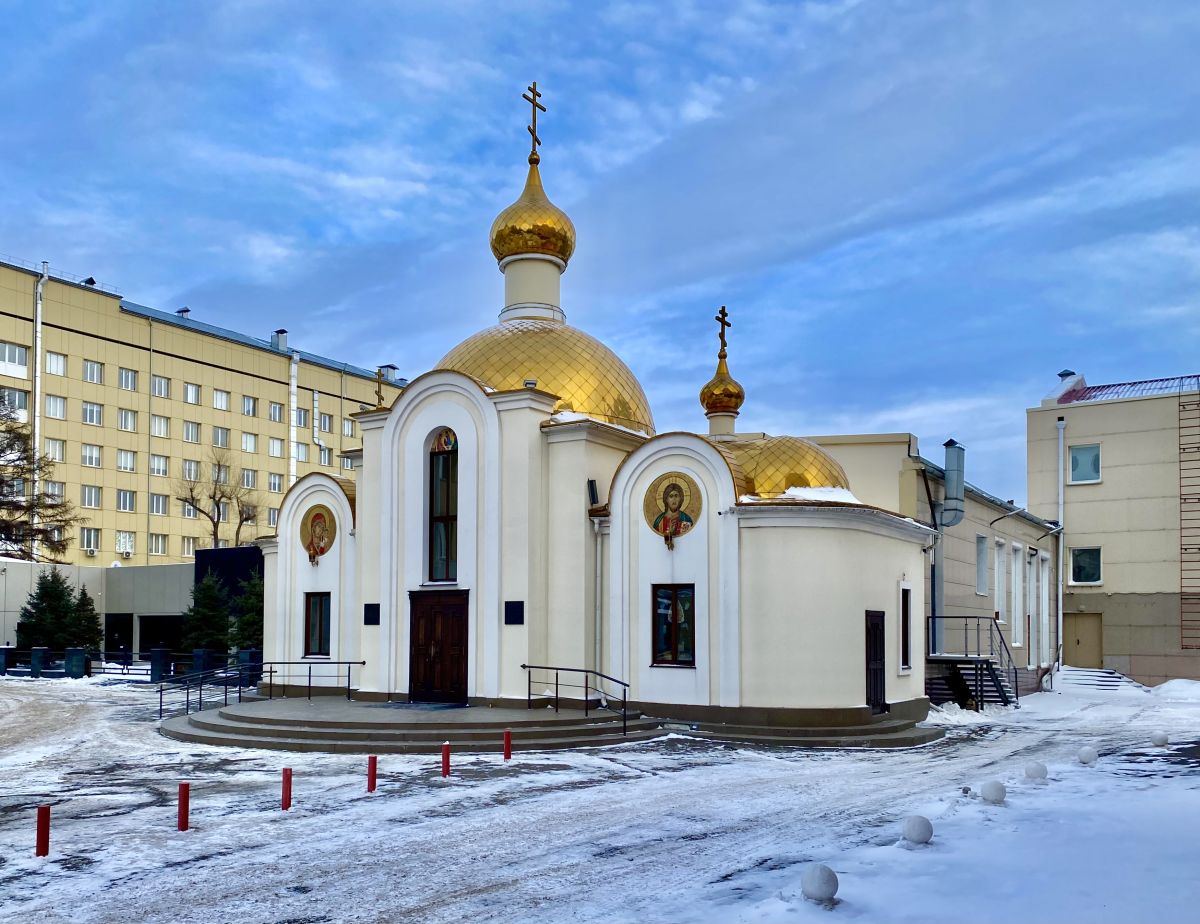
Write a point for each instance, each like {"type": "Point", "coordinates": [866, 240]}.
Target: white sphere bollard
{"type": "Point", "coordinates": [993, 791]}
{"type": "Point", "coordinates": [918, 829]}
{"type": "Point", "coordinates": [1088, 755]}
{"type": "Point", "coordinates": [818, 882]}
{"type": "Point", "coordinates": [1035, 770]}
{"type": "Point", "coordinates": [1159, 739]}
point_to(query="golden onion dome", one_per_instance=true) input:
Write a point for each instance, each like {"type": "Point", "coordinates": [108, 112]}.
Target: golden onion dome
{"type": "Point", "coordinates": [533, 224]}
{"type": "Point", "coordinates": [723, 394]}
{"type": "Point", "coordinates": [587, 376]}
{"type": "Point", "coordinates": [776, 463]}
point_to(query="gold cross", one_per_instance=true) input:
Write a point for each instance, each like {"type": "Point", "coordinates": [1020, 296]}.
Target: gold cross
{"type": "Point", "coordinates": [722, 318]}
{"type": "Point", "coordinates": [379, 388]}
{"type": "Point", "coordinates": [533, 102]}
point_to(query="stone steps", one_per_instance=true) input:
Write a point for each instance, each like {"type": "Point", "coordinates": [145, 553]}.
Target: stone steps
{"type": "Point", "coordinates": [866, 739]}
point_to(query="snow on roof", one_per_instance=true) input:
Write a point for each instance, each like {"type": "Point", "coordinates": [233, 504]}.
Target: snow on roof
{"type": "Point", "coordinates": [1142, 389]}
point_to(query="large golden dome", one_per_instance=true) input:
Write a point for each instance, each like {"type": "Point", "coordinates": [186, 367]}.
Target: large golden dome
{"type": "Point", "coordinates": [776, 463]}
{"type": "Point", "coordinates": [587, 376]}
{"type": "Point", "coordinates": [533, 224]}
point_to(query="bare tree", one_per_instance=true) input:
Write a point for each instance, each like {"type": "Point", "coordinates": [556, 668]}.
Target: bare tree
{"type": "Point", "coordinates": [34, 526]}
{"type": "Point", "coordinates": [211, 489]}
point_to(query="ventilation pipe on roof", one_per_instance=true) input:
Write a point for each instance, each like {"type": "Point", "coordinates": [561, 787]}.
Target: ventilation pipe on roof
{"type": "Point", "coordinates": [954, 500]}
{"type": "Point", "coordinates": [279, 340]}
{"type": "Point", "coordinates": [184, 312]}
{"type": "Point", "coordinates": [948, 513]}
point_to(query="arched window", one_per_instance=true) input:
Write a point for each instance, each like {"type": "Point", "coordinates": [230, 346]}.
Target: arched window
{"type": "Point", "coordinates": [443, 506]}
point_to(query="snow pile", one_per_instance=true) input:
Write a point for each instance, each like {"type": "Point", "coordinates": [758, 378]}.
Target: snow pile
{"type": "Point", "coordinates": [1178, 691]}
{"type": "Point", "coordinates": [820, 495]}
{"type": "Point", "coordinates": [563, 417]}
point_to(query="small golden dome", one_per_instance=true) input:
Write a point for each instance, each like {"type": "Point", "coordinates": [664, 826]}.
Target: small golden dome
{"type": "Point", "coordinates": [533, 224]}
{"type": "Point", "coordinates": [587, 376]}
{"type": "Point", "coordinates": [723, 394]}
{"type": "Point", "coordinates": [776, 463]}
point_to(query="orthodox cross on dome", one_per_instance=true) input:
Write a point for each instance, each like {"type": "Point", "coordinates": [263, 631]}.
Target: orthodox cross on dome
{"type": "Point", "coordinates": [532, 98]}
{"type": "Point", "coordinates": [379, 388]}
{"type": "Point", "coordinates": [722, 319]}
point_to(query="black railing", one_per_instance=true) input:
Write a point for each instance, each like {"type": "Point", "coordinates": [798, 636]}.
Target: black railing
{"type": "Point", "coordinates": [983, 639]}
{"type": "Point", "coordinates": [587, 686]}
{"type": "Point", "coordinates": [191, 687]}
{"type": "Point", "coordinates": [54, 661]}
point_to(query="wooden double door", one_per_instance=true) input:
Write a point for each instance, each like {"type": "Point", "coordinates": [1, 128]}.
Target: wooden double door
{"type": "Point", "coordinates": [876, 662]}
{"type": "Point", "coordinates": [437, 664]}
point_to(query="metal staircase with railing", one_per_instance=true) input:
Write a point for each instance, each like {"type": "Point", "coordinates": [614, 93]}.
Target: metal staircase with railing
{"type": "Point", "coordinates": [969, 663]}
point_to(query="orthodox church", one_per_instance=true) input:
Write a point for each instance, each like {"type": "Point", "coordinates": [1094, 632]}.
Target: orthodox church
{"type": "Point", "coordinates": [515, 506]}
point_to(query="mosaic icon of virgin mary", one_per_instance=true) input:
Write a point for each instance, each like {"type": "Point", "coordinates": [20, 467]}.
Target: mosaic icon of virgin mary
{"type": "Point", "coordinates": [317, 532]}
{"type": "Point", "coordinates": [672, 506]}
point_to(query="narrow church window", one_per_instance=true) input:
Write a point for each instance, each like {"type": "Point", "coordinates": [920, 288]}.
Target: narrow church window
{"type": "Point", "coordinates": [905, 628]}
{"type": "Point", "coordinates": [443, 507]}
{"type": "Point", "coordinates": [674, 640]}
{"type": "Point", "coordinates": [316, 624]}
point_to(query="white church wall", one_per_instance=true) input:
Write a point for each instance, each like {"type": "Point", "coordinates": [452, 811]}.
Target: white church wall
{"type": "Point", "coordinates": [368, 482]}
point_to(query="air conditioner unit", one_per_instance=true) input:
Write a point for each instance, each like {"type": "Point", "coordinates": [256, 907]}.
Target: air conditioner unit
{"type": "Point", "coordinates": [91, 553]}
{"type": "Point", "coordinates": [127, 555]}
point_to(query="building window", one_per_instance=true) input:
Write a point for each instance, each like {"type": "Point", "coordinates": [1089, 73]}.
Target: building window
{"type": "Point", "coordinates": [191, 470]}
{"type": "Point", "coordinates": [348, 463]}
{"type": "Point", "coordinates": [191, 431]}
{"type": "Point", "coordinates": [56, 450]}
{"type": "Point", "coordinates": [316, 624]}
{"type": "Point", "coordinates": [249, 442]}
{"type": "Point", "coordinates": [89, 538]}
{"type": "Point", "coordinates": [56, 407]}
{"type": "Point", "coordinates": [93, 372]}
{"type": "Point", "coordinates": [127, 379]}
{"type": "Point", "coordinates": [93, 414]}
{"type": "Point", "coordinates": [56, 364]}
{"type": "Point", "coordinates": [159, 504]}
{"type": "Point", "coordinates": [126, 501]}
{"type": "Point", "coordinates": [126, 460]}
{"type": "Point", "coordinates": [17, 400]}
{"type": "Point", "coordinates": [160, 465]}
{"type": "Point", "coordinates": [187, 511]}
{"type": "Point", "coordinates": [325, 454]}
{"type": "Point", "coordinates": [157, 544]}
{"type": "Point", "coordinates": [249, 478]}
{"type": "Point", "coordinates": [1085, 464]}
{"type": "Point", "coordinates": [191, 393]}
{"type": "Point", "coordinates": [220, 399]}
{"type": "Point", "coordinates": [90, 496]}
{"type": "Point", "coordinates": [1018, 596]}
{"type": "Point", "coordinates": [443, 507]}
{"type": "Point", "coordinates": [905, 628]}
{"type": "Point", "coordinates": [347, 427]}
{"type": "Point", "coordinates": [220, 437]}
{"type": "Point", "coordinates": [89, 455]}
{"type": "Point", "coordinates": [160, 426]}
{"type": "Point", "coordinates": [981, 566]}
{"type": "Point", "coordinates": [301, 452]}
{"type": "Point", "coordinates": [275, 447]}
{"type": "Point", "coordinates": [221, 511]}
{"type": "Point", "coordinates": [1085, 566]}
{"type": "Point", "coordinates": [674, 628]}
{"type": "Point", "coordinates": [275, 483]}
{"type": "Point", "coordinates": [12, 354]}
{"type": "Point", "coordinates": [1001, 588]}
{"type": "Point", "coordinates": [56, 489]}
{"type": "Point", "coordinates": [326, 423]}
{"type": "Point", "coordinates": [126, 420]}
{"type": "Point", "coordinates": [276, 412]}
{"type": "Point", "coordinates": [273, 516]}
{"type": "Point", "coordinates": [249, 406]}
{"type": "Point", "coordinates": [220, 473]}
{"type": "Point", "coordinates": [160, 386]}
{"type": "Point", "coordinates": [188, 547]}
{"type": "Point", "coordinates": [125, 540]}
{"type": "Point", "coordinates": [301, 417]}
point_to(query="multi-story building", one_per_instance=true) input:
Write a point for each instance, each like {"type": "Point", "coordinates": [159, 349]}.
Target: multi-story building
{"type": "Point", "coordinates": [130, 403]}
{"type": "Point", "coordinates": [1119, 465]}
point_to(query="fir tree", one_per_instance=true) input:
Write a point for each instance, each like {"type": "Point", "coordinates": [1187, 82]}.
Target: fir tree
{"type": "Point", "coordinates": [45, 619]}
{"type": "Point", "coordinates": [85, 628]}
{"type": "Point", "coordinates": [206, 622]}
{"type": "Point", "coordinates": [248, 614]}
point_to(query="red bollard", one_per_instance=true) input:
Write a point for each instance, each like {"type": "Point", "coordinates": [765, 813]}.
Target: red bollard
{"type": "Point", "coordinates": [184, 802]}
{"type": "Point", "coordinates": [372, 767]}
{"type": "Point", "coordinates": [508, 744]}
{"type": "Point", "coordinates": [446, 759]}
{"type": "Point", "coordinates": [287, 788]}
{"type": "Point", "coordinates": [43, 832]}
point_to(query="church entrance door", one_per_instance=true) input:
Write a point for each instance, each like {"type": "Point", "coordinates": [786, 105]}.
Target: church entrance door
{"type": "Point", "coordinates": [876, 694]}
{"type": "Point", "coordinates": [437, 664]}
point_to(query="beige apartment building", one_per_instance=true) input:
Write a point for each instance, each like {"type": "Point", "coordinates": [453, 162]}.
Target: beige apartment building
{"type": "Point", "coordinates": [1119, 464]}
{"type": "Point", "coordinates": [128, 401]}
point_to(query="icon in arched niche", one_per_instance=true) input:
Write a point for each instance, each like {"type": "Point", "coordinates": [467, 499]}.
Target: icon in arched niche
{"type": "Point", "coordinates": [318, 529]}
{"type": "Point", "coordinates": [444, 441]}
{"type": "Point", "coordinates": [672, 506]}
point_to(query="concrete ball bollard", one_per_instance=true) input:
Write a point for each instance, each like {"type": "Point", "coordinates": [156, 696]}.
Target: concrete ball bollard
{"type": "Point", "coordinates": [818, 882]}
{"type": "Point", "coordinates": [1035, 770]}
{"type": "Point", "coordinates": [993, 791]}
{"type": "Point", "coordinates": [1088, 755]}
{"type": "Point", "coordinates": [918, 829]}
{"type": "Point", "coordinates": [1160, 739]}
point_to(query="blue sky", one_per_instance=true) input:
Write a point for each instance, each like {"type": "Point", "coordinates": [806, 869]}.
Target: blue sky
{"type": "Point", "coordinates": [916, 212]}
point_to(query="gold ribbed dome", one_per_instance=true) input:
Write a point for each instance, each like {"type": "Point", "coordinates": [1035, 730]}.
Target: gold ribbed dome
{"type": "Point", "coordinates": [533, 224]}
{"type": "Point", "coordinates": [723, 394]}
{"type": "Point", "coordinates": [587, 376]}
{"type": "Point", "coordinates": [776, 463]}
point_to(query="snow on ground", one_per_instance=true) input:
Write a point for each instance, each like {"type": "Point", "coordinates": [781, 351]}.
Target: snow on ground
{"type": "Point", "coordinates": [672, 830]}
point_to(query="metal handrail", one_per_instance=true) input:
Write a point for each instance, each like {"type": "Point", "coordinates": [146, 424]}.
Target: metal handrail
{"type": "Point", "coordinates": [588, 673]}
{"type": "Point", "coordinates": [1000, 651]}
{"type": "Point", "coordinates": [248, 674]}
